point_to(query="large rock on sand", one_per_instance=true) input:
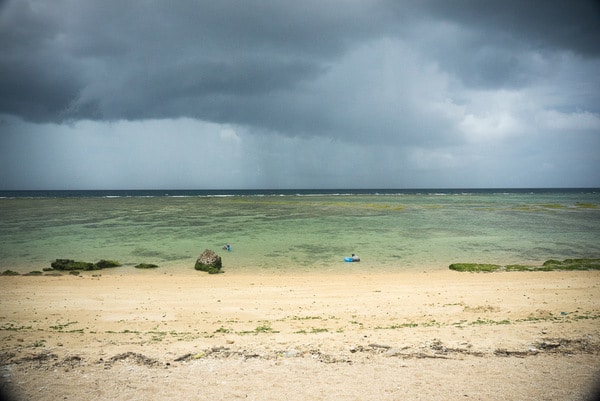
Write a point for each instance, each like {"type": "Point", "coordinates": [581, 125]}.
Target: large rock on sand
{"type": "Point", "coordinates": [209, 262]}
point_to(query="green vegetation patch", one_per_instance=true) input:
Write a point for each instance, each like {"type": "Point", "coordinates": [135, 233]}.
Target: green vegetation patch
{"type": "Point", "coordinates": [11, 327]}
{"type": "Point", "coordinates": [105, 264]}
{"type": "Point", "coordinates": [306, 317]}
{"type": "Point", "coordinates": [519, 268]}
{"type": "Point", "coordinates": [69, 265]}
{"type": "Point", "coordinates": [474, 267]}
{"type": "Point", "coordinates": [397, 326]}
{"type": "Point", "coordinates": [572, 264]}
{"type": "Point", "coordinates": [10, 273]}
{"type": "Point", "coordinates": [208, 268]}
{"type": "Point", "coordinates": [62, 326]}
{"type": "Point", "coordinates": [553, 206]}
{"type": "Point", "coordinates": [33, 273]}
{"type": "Point", "coordinates": [549, 265]}
{"type": "Point", "coordinates": [265, 328]}
{"type": "Point", "coordinates": [146, 266]}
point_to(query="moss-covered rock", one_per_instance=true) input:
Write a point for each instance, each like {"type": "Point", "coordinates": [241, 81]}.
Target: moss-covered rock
{"type": "Point", "coordinates": [572, 264]}
{"type": "Point", "coordinates": [474, 267]}
{"type": "Point", "coordinates": [105, 264]}
{"type": "Point", "coordinates": [549, 265]}
{"type": "Point", "coordinates": [33, 273]}
{"type": "Point", "coordinates": [209, 262]}
{"type": "Point", "coordinates": [70, 264]}
{"type": "Point", "coordinates": [10, 273]}
{"type": "Point", "coordinates": [146, 266]}
{"type": "Point", "coordinates": [519, 268]}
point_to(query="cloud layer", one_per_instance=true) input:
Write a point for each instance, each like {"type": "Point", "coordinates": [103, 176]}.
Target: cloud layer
{"type": "Point", "coordinates": [429, 93]}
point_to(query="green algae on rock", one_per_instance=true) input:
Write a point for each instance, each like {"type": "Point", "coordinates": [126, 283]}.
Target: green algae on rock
{"type": "Point", "coordinates": [146, 266]}
{"type": "Point", "coordinates": [549, 265]}
{"type": "Point", "coordinates": [474, 267]}
{"type": "Point", "coordinates": [209, 262]}
{"type": "Point", "coordinates": [69, 264]}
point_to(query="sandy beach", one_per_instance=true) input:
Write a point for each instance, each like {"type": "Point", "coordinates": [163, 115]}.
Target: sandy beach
{"type": "Point", "coordinates": [419, 335]}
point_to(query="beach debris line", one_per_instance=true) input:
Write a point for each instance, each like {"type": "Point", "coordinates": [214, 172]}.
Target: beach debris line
{"type": "Point", "coordinates": [434, 348]}
{"type": "Point", "coordinates": [209, 262]}
{"type": "Point", "coordinates": [549, 265]}
{"type": "Point", "coordinates": [134, 357]}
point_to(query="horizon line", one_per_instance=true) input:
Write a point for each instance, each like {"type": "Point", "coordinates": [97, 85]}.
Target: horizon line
{"type": "Point", "coordinates": [300, 189]}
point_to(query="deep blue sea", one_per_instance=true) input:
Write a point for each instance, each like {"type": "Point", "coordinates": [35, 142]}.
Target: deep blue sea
{"type": "Point", "coordinates": [308, 230]}
{"type": "Point", "coordinates": [289, 192]}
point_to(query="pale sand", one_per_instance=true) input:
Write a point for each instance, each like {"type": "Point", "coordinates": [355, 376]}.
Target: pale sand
{"type": "Point", "coordinates": [437, 335]}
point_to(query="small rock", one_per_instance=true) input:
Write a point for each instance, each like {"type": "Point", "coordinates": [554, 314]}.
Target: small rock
{"type": "Point", "coordinates": [392, 352]}
{"type": "Point", "coordinates": [290, 354]}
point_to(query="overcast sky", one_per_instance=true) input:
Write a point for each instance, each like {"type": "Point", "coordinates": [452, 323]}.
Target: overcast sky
{"type": "Point", "coordinates": [195, 94]}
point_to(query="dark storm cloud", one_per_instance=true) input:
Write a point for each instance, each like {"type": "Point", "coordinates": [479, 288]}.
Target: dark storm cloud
{"type": "Point", "coordinates": [570, 25]}
{"type": "Point", "coordinates": [494, 41]}
{"type": "Point", "coordinates": [137, 59]}
{"type": "Point", "coordinates": [243, 62]}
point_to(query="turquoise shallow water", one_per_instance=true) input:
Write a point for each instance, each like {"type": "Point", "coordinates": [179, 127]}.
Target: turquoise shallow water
{"type": "Point", "coordinates": [414, 230]}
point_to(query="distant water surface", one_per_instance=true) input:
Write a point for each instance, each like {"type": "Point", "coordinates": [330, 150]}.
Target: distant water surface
{"type": "Point", "coordinates": [299, 229]}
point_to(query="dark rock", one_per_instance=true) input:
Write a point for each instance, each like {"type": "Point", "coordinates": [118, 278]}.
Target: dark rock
{"type": "Point", "coordinates": [104, 264]}
{"type": "Point", "coordinates": [34, 273]}
{"type": "Point", "coordinates": [10, 273]}
{"type": "Point", "coordinates": [146, 266]}
{"type": "Point", "coordinates": [209, 262]}
{"type": "Point", "coordinates": [69, 264]}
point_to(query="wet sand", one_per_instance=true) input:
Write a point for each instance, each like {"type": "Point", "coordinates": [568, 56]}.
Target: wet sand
{"type": "Point", "coordinates": [429, 335]}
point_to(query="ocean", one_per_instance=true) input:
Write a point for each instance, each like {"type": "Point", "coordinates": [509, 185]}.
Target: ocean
{"type": "Point", "coordinates": [303, 230]}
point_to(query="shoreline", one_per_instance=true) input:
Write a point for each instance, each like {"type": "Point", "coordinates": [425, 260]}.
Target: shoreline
{"type": "Point", "coordinates": [291, 324]}
{"type": "Point", "coordinates": [340, 267]}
